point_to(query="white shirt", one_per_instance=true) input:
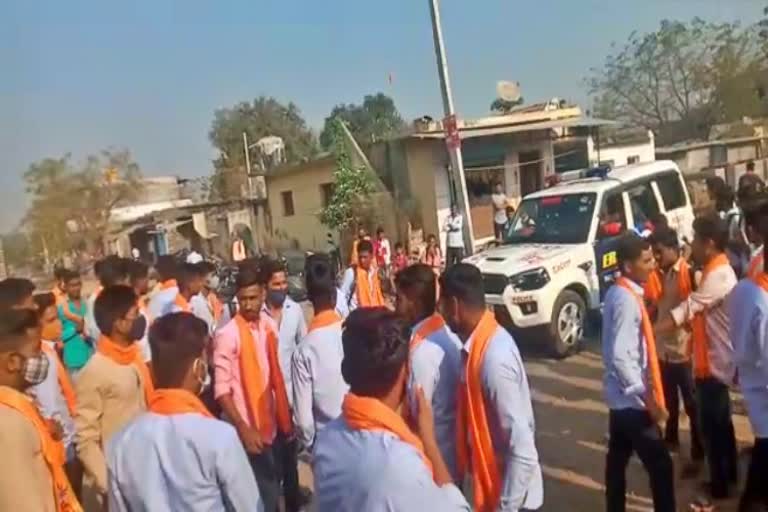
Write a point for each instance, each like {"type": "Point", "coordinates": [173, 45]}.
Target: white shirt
{"type": "Point", "coordinates": [499, 208]}
{"type": "Point", "coordinates": [453, 226]}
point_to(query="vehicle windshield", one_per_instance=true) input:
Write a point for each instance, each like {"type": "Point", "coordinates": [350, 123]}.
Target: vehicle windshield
{"type": "Point", "coordinates": [563, 219]}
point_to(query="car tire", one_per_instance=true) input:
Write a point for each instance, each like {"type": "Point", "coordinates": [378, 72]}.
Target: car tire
{"type": "Point", "coordinates": [566, 329]}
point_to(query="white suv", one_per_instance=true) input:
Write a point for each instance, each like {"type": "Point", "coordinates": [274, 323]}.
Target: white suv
{"type": "Point", "coordinates": [560, 256]}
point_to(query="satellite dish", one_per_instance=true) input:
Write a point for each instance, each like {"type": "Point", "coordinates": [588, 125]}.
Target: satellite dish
{"type": "Point", "coordinates": [508, 91]}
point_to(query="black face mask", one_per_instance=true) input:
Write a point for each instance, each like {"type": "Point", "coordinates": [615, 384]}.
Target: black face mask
{"type": "Point", "coordinates": [138, 328]}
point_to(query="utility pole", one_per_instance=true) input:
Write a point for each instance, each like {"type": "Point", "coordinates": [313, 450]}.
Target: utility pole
{"type": "Point", "coordinates": [247, 150]}
{"type": "Point", "coordinates": [252, 207]}
{"type": "Point", "coordinates": [453, 143]}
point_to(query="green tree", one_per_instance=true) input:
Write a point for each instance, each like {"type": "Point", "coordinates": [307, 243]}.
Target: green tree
{"type": "Point", "coordinates": [352, 187]}
{"type": "Point", "coordinates": [377, 118]}
{"type": "Point", "coordinates": [262, 117]}
{"type": "Point", "coordinates": [501, 106]}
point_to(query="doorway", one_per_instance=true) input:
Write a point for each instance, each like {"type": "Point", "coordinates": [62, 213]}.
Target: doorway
{"type": "Point", "coordinates": [530, 172]}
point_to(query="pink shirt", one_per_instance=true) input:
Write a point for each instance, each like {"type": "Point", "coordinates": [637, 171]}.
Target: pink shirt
{"type": "Point", "coordinates": [226, 361]}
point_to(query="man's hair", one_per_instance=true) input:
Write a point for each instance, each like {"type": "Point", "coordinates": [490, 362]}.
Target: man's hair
{"type": "Point", "coordinates": [59, 272]}
{"type": "Point", "coordinates": [176, 340]}
{"type": "Point", "coordinates": [70, 275]}
{"type": "Point", "coordinates": [666, 237]}
{"type": "Point", "coordinates": [14, 290]}
{"type": "Point", "coordinates": [321, 283]}
{"type": "Point", "coordinates": [166, 267]}
{"type": "Point", "coordinates": [270, 267]}
{"type": "Point", "coordinates": [137, 270]}
{"type": "Point", "coordinates": [44, 301]}
{"type": "Point", "coordinates": [112, 304]}
{"type": "Point", "coordinates": [399, 245]}
{"type": "Point", "coordinates": [751, 165]}
{"type": "Point", "coordinates": [248, 275]}
{"type": "Point", "coordinates": [464, 282]}
{"type": "Point", "coordinates": [659, 221]}
{"type": "Point", "coordinates": [715, 183]}
{"type": "Point", "coordinates": [630, 247]}
{"type": "Point", "coordinates": [379, 230]}
{"type": "Point", "coordinates": [376, 345]}
{"type": "Point", "coordinates": [712, 227]}
{"type": "Point", "coordinates": [14, 324]}
{"type": "Point", "coordinates": [207, 267]}
{"type": "Point", "coordinates": [112, 270]}
{"type": "Point", "coordinates": [418, 282]}
{"type": "Point", "coordinates": [364, 246]}
{"type": "Point", "coordinates": [188, 272]}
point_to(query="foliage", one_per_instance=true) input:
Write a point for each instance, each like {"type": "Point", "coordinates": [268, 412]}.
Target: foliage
{"type": "Point", "coordinates": [70, 205]}
{"type": "Point", "coordinates": [352, 188]}
{"type": "Point", "coordinates": [262, 117]}
{"type": "Point", "coordinates": [684, 76]}
{"type": "Point", "coordinates": [503, 106]}
{"type": "Point", "coordinates": [377, 118]}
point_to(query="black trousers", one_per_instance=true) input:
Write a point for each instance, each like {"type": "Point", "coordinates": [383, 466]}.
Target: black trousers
{"type": "Point", "coordinates": [678, 381]}
{"type": "Point", "coordinates": [453, 255]}
{"type": "Point", "coordinates": [633, 431]}
{"type": "Point", "coordinates": [719, 437]}
{"type": "Point", "coordinates": [755, 496]}
{"type": "Point", "coordinates": [266, 469]}
{"type": "Point", "coordinates": [288, 451]}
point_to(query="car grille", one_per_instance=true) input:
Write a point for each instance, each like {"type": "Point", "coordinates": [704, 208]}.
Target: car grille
{"type": "Point", "coordinates": [494, 284]}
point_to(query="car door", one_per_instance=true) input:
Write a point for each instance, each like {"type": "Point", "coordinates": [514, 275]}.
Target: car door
{"type": "Point", "coordinates": [612, 224]}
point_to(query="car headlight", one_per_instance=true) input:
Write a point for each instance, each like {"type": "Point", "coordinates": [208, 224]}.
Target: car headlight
{"type": "Point", "coordinates": [529, 280]}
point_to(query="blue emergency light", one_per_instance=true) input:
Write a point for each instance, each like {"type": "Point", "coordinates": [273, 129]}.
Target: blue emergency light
{"type": "Point", "coordinates": [601, 171]}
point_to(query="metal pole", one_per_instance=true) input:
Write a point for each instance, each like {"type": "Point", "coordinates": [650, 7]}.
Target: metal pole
{"type": "Point", "coordinates": [454, 153]}
{"type": "Point", "coordinates": [248, 165]}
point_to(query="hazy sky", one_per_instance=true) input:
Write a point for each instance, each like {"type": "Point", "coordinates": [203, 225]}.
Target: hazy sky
{"type": "Point", "coordinates": [79, 76]}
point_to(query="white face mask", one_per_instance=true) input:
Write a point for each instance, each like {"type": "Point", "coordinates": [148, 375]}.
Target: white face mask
{"type": "Point", "coordinates": [205, 382]}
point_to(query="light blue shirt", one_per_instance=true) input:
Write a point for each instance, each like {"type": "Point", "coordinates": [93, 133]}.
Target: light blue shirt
{"type": "Point", "coordinates": [290, 331]}
{"type": "Point", "coordinates": [748, 311]}
{"type": "Point", "coordinates": [342, 308]}
{"type": "Point", "coordinates": [348, 288]}
{"type": "Point", "coordinates": [511, 422]}
{"type": "Point", "coordinates": [179, 462]}
{"type": "Point", "coordinates": [318, 387]}
{"type": "Point", "coordinates": [624, 354]}
{"type": "Point", "coordinates": [436, 367]}
{"type": "Point", "coordinates": [90, 329]}
{"type": "Point", "coordinates": [50, 399]}
{"type": "Point", "coordinates": [200, 308]}
{"type": "Point", "coordinates": [160, 301]}
{"type": "Point", "coordinates": [374, 471]}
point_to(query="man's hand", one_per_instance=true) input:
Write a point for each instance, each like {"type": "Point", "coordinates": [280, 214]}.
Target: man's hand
{"type": "Point", "coordinates": [658, 414]}
{"type": "Point", "coordinates": [425, 421]}
{"type": "Point", "coordinates": [251, 439]}
{"type": "Point", "coordinates": [54, 427]}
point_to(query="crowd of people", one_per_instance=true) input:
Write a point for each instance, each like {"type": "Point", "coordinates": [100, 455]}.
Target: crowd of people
{"type": "Point", "coordinates": [165, 397]}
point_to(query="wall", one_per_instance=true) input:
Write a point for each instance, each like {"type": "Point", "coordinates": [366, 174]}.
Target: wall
{"type": "Point", "coordinates": [620, 153]}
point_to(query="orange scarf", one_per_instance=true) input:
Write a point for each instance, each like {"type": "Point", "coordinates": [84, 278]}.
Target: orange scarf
{"type": "Point", "coordinates": [756, 265]}
{"type": "Point", "coordinates": [699, 338]}
{"type": "Point", "coordinates": [654, 287]}
{"type": "Point", "coordinates": [479, 455]}
{"type": "Point", "coordinates": [63, 377]}
{"type": "Point", "coordinates": [433, 323]}
{"type": "Point", "coordinates": [125, 356]}
{"type": "Point", "coordinates": [53, 451]}
{"type": "Point", "coordinates": [761, 280]}
{"type": "Point", "coordinates": [216, 307]}
{"type": "Point", "coordinates": [365, 413]}
{"type": "Point", "coordinates": [324, 319]}
{"type": "Point", "coordinates": [257, 401]}
{"type": "Point", "coordinates": [170, 283]}
{"type": "Point", "coordinates": [176, 401]}
{"type": "Point", "coordinates": [182, 303]}
{"type": "Point", "coordinates": [654, 367]}
{"type": "Point", "coordinates": [368, 297]}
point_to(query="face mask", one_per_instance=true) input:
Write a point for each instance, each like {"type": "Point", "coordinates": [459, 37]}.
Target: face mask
{"type": "Point", "coordinates": [52, 331]}
{"type": "Point", "coordinates": [212, 283]}
{"type": "Point", "coordinates": [276, 297]}
{"type": "Point", "coordinates": [138, 328]}
{"type": "Point", "coordinates": [36, 369]}
{"type": "Point", "coordinates": [205, 382]}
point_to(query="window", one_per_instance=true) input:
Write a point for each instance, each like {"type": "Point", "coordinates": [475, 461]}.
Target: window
{"type": "Point", "coordinates": [326, 192]}
{"type": "Point", "coordinates": [564, 219]}
{"type": "Point", "coordinates": [672, 192]}
{"type": "Point", "coordinates": [613, 218]}
{"type": "Point", "coordinates": [644, 205]}
{"type": "Point", "coordinates": [633, 159]}
{"type": "Point", "coordinates": [287, 203]}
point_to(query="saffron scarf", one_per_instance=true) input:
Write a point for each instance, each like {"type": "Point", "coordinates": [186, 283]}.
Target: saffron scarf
{"type": "Point", "coordinates": [176, 401]}
{"type": "Point", "coordinates": [65, 384]}
{"type": "Point", "coordinates": [368, 296]}
{"type": "Point", "coordinates": [699, 338]}
{"type": "Point", "coordinates": [53, 451]}
{"type": "Point", "coordinates": [126, 356]}
{"type": "Point", "coordinates": [761, 281]}
{"type": "Point", "coordinates": [256, 399]}
{"type": "Point", "coordinates": [324, 319]}
{"type": "Point", "coordinates": [756, 265]}
{"type": "Point", "coordinates": [654, 367]}
{"type": "Point", "coordinates": [182, 303]}
{"type": "Point", "coordinates": [365, 413]}
{"type": "Point", "coordinates": [472, 415]}
{"type": "Point", "coordinates": [216, 307]}
{"type": "Point", "coordinates": [654, 287]}
{"type": "Point", "coordinates": [430, 325]}
{"type": "Point", "coordinates": [170, 283]}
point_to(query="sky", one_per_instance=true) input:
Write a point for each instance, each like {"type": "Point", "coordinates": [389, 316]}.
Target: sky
{"type": "Point", "coordinates": [79, 76]}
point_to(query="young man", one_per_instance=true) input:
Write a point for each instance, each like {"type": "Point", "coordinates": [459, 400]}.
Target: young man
{"type": "Point", "coordinates": [177, 456]}
{"type": "Point", "coordinates": [494, 397]}
{"type": "Point", "coordinates": [499, 199]}
{"type": "Point", "coordinates": [167, 288]}
{"type": "Point", "coordinates": [210, 295]}
{"type": "Point", "coordinates": [435, 355]}
{"type": "Point", "coordinates": [190, 280]}
{"type": "Point", "coordinates": [383, 251]}
{"type": "Point", "coordinates": [138, 273]}
{"type": "Point", "coordinates": [248, 383]}
{"type": "Point", "coordinates": [16, 292]}
{"type": "Point", "coordinates": [632, 382]}
{"type": "Point", "coordinates": [751, 179]}
{"type": "Point", "coordinates": [362, 236]}
{"type": "Point", "coordinates": [318, 387]}
{"type": "Point", "coordinates": [454, 244]}
{"type": "Point", "coordinates": [288, 322]}
{"type": "Point", "coordinates": [368, 458]}
{"type": "Point", "coordinates": [32, 475]}
{"type": "Point", "coordinates": [72, 311]}
{"type": "Point", "coordinates": [674, 348]}
{"type": "Point", "coordinates": [361, 286]}
{"type": "Point", "coordinates": [114, 386]}
{"type": "Point", "coordinates": [748, 310]}
{"type": "Point", "coordinates": [111, 271]}
{"type": "Point", "coordinates": [752, 219]}
{"type": "Point", "coordinates": [713, 365]}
